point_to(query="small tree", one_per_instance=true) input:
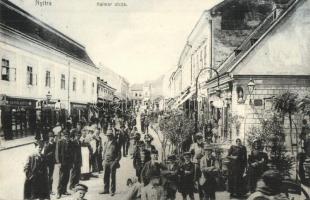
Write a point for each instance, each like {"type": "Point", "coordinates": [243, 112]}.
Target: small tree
{"type": "Point", "coordinates": [286, 104]}
{"type": "Point", "coordinates": [272, 136]}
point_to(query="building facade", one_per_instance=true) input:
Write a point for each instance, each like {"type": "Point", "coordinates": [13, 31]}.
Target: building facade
{"type": "Point", "coordinates": [42, 71]}
{"type": "Point", "coordinates": [228, 48]}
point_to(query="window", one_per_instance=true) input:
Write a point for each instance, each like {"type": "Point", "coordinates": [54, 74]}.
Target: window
{"type": "Point", "coordinates": [63, 82]}
{"type": "Point", "coordinates": [84, 86]}
{"type": "Point", "coordinates": [29, 75]}
{"type": "Point", "coordinates": [74, 84]}
{"type": "Point", "coordinates": [5, 70]}
{"type": "Point", "coordinates": [92, 87]}
{"type": "Point", "coordinates": [48, 79]}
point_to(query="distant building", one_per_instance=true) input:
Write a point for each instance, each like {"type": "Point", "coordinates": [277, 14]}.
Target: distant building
{"type": "Point", "coordinates": [45, 75]}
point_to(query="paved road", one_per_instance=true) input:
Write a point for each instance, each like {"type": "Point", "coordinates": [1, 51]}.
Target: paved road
{"type": "Point", "coordinates": [12, 176]}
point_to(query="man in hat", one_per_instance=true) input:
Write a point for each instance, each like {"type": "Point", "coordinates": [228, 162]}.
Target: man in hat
{"type": "Point", "coordinates": [125, 134]}
{"type": "Point", "coordinates": [111, 157]}
{"type": "Point", "coordinates": [140, 157]}
{"type": "Point", "coordinates": [153, 191]}
{"type": "Point", "coordinates": [197, 151]}
{"type": "Point", "coordinates": [80, 191]}
{"type": "Point", "coordinates": [151, 166]}
{"type": "Point", "coordinates": [65, 155]}
{"type": "Point", "coordinates": [36, 184]}
{"type": "Point", "coordinates": [209, 167]}
{"type": "Point", "coordinates": [77, 159]}
{"type": "Point", "coordinates": [270, 188]}
{"type": "Point", "coordinates": [148, 139]}
{"type": "Point", "coordinates": [187, 172]}
{"type": "Point", "coordinates": [49, 151]}
{"type": "Point", "coordinates": [170, 177]}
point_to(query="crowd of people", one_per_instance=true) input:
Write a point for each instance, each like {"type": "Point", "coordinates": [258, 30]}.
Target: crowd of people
{"type": "Point", "coordinates": [99, 146]}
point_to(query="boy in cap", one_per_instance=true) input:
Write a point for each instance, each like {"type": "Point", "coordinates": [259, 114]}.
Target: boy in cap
{"type": "Point", "coordinates": [170, 181]}
{"type": "Point", "coordinates": [153, 191]}
{"type": "Point", "coordinates": [209, 167]}
{"type": "Point", "coordinates": [150, 167]}
{"type": "Point", "coordinates": [36, 184]}
{"type": "Point", "coordinates": [186, 172]}
{"type": "Point", "coordinates": [79, 192]}
{"type": "Point", "coordinates": [49, 151]}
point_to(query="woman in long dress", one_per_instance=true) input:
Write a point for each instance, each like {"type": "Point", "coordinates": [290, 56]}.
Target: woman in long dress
{"type": "Point", "coordinates": [132, 140]}
{"type": "Point", "coordinates": [86, 151]}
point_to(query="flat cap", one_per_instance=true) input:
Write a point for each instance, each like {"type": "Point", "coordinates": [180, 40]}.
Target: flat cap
{"type": "Point", "coordinates": [80, 187]}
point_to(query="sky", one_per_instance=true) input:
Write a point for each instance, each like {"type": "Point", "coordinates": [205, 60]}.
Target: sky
{"type": "Point", "coordinates": [140, 41]}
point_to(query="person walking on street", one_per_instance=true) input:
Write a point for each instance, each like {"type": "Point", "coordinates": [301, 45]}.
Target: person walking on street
{"type": "Point", "coordinates": [49, 151]}
{"type": "Point", "coordinates": [257, 164]}
{"type": "Point", "coordinates": [197, 151]}
{"type": "Point", "coordinates": [124, 133]}
{"type": "Point", "coordinates": [186, 171]}
{"type": "Point", "coordinates": [151, 166]}
{"type": "Point", "coordinates": [36, 184]}
{"type": "Point", "coordinates": [77, 159]}
{"type": "Point", "coordinates": [65, 155]}
{"type": "Point", "coordinates": [148, 139]}
{"type": "Point", "coordinates": [238, 162]}
{"type": "Point", "coordinates": [170, 178]}
{"type": "Point", "coordinates": [111, 157]}
{"type": "Point", "coordinates": [210, 168]}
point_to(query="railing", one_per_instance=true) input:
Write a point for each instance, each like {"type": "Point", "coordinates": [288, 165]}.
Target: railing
{"type": "Point", "coordinates": [251, 39]}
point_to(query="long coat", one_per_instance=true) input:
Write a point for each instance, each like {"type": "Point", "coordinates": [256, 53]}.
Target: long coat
{"type": "Point", "coordinates": [112, 153]}
{"type": "Point", "coordinates": [187, 180]}
{"type": "Point", "coordinates": [36, 184]}
{"type": "Point", "coordinates": [257, 165]}
{"type": "Point", "coordinates": [237, 165]}
{"type": "Point", "coordinates": [65, 152]}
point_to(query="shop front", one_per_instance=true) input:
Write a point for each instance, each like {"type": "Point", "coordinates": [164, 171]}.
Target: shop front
{"type": "Point", "coordinates": [18, 117]}
{"type": "Point", "coordinates": [79, 112]}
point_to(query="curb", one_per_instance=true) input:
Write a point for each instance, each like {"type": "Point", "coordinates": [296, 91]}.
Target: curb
{"type": "Point", "coordinates": [20, 145]}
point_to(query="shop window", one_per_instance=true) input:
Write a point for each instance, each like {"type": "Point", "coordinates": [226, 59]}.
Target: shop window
{"type": "Point", "coordinates": [29, 75]}
{"type": "Point", "coordinates": [48, 79]}
{"type": "Point", "coordinates": [5, 70]}
{"type": "Point", "coordinates": [74, 84]}
{"type": "Point", "coordinates": [84, 86]}
{"type": "Point", "coordinates": [63, 82]}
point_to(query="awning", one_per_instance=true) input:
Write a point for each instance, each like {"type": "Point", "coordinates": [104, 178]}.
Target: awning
{"type": "Point", "coordinates": [183, 98]}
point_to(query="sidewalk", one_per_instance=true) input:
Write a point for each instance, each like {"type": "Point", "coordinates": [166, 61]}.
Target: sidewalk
{"type": "Point", "coordinates": [8, 144]}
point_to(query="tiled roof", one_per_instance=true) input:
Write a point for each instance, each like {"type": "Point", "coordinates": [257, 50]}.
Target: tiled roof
{"type": "Point", "coordinates": [15, 18]}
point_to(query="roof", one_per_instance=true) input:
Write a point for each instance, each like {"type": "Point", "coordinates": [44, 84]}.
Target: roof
{"type": "Point", "coordinates": [136, 87]}
{"type": "Point", "coordinates": [18, 20]}
{"type": "Point", "coordinates": [285, 49]}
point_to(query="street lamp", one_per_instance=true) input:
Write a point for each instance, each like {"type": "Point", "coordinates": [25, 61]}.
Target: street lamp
{"type": "Point", "coordinates": [251, 88]}
{"type": "Point", "coordinates": [218, 91]}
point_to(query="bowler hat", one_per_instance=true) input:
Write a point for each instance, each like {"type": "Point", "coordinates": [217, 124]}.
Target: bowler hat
{"type": "Point", "coordinates": [187, 153]}
{"type": "Point", "coordinates": [80, 187]}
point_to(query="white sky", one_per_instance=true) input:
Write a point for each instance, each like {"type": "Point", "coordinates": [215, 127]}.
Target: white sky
{"type": "Point", "coordinates": [140, 42]}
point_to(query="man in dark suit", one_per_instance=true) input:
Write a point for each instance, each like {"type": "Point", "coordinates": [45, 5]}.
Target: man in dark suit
{"type": "Point", "coordinates": [49, 151]}
{"type": "Point", "coordinates": [111, 157]}
{"type": "Point", "coordinates": [77, 159]}
{"type": "Point", "coordinates": [65, 156]}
